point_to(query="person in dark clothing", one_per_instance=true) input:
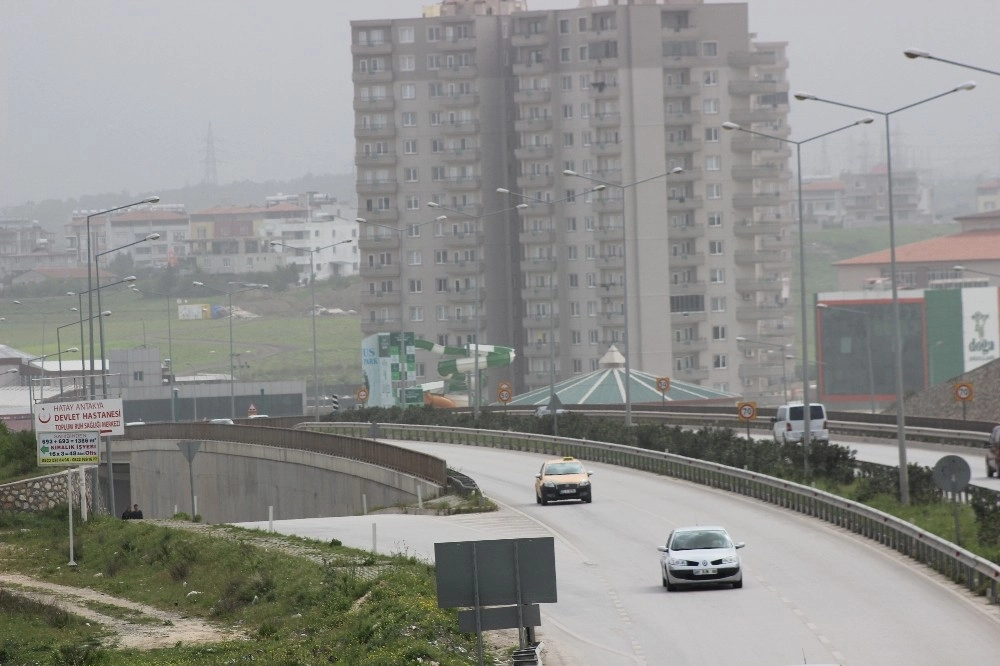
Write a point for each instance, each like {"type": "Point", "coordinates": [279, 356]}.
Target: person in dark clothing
{"type": "Point", "coordinates": [135, 513]}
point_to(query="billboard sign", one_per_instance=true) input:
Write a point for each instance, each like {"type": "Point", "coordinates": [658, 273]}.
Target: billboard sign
{"type": "Point", "coordinates": [75, 448]}
{"type": "Point", "coordinates": [979, 326]}
{"type": "Point", "coordinates": [104, 415]}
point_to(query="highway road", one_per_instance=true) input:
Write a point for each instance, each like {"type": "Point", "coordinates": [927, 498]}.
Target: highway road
{"type": "Point", "coordinates": [812, 592]}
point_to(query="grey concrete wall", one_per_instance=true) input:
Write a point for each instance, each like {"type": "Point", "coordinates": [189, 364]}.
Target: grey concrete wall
{"type": "Point", "coordinates": [236, 482]}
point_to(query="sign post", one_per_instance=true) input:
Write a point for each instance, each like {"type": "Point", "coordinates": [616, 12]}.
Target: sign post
{"type": "Point", "coordinates": [747, 413]}
{"type": "Point", "coordinates": [963, 393]}
{"type": "Point", "coordinates": [663, 385]}
{"type": "Point", "coordinates": [504, 394]}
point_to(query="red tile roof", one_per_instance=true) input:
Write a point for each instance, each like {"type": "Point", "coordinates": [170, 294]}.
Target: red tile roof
{"type": "Point", "coordinates": [150, 216]}
{"type": "Point", "coordinates": [968, 246]}
{"type": "Point", "coordinates": [989, 185]}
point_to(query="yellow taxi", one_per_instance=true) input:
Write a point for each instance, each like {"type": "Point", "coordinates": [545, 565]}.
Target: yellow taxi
{"type": "Point", "coordinates": [563, 479]}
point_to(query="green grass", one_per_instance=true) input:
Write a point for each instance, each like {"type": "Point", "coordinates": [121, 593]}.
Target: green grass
{"type": "Point", "coordinates": [332, 605]}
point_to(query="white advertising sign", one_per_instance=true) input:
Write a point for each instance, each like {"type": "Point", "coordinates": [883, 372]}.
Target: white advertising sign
{"type": "Point", "coordinates": [979, 326]}
{"type": "Point", "coordinates": [103, 415]}
{"type": "Point", "coordinates": [76, 448]}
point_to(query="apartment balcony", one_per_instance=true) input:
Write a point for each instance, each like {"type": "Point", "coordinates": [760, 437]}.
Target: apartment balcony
{"type": "Point", "coordinates": [380, 215]}
{"type": "Point", "coordinates": [610, 262]}
{"type": "Point", "coordinates": [464, 268]}
{"type": "Point", "coordinates": [539, 265]}
{"type": "Point", "coordinates": [761, 370]}
{"type": "Point", "coordinates": [757, 199]}
{"type": "Point", "coordinates": [461, 156]}
{"type": "Point", "coordinates": [533, 96]}
{"type": "Point", "coordinates": [371, 48]}
{"type": "Point", "coordinates": [540, 350]}
{"type": "Point", "coordinates": [379, 271]}
{"type": "Point", "coordinates": [674, 90]}
{"type": "Point", "coordinates": [684, 318]}
{"type": "Point", "coordinates": [532, 295]}
{"type": "Point", "coordinates": [458, 73]}
{"type": "Point", "coordinates": [380, 298]}
{"type": "Point", "coordinates": [381, 242]}
{"type": "Point", "coordinates": [381, 76]}
{"type": "Point", "coordinates": [689, 175]}
{"type": "Point", "coordinates": [683, 147]}
{"type": "Point", "coordinates": [686, 231]}
{"type": "Point", "coordinates": [612, 290]}
{"type": "Point", "coordinates": [366, 187]}
{"type": "Point", "coordinates": [374, 104]}
{"type": "Point", "coordinates": [607, 234]}
{"type": "Point", "coordinates": [372, 133]}
{"type": "Point", "coordinates": [464, 184]}
{"type": "Point", "coordinates": [749, 228]}
{"type": "Point", "coordinates": [463, 296]}
{"type": "Point", "coordinates": [782, 330]}
{"type": "Point", "coordinates": [467, 324]}
{"type": "Point", "coordinates": [755, 285]}
{"type": "Point", "coordinates": [537, 237]}
{"type": "Point", "coordinates": [685, 203]}
{"type": "Point", "coordinates": [533, 153]}
{"type": "Point", "coordinates": [605, 149]}
{"type": "Point", "coordinates": [689, 287]}
{"type": "Point", "coordinates": [529, 39]}
{"type": "Point", "coordinates": [608, 205]}
{"type": "Point", "coordinates": [744, 144]}
{"type": "Point", "coordinates": [535, 180]}
{"type": "Point", "coordinates": [689, 260]}
{"type": "Point", "coordinates": [598, 120]}
{"type": "Point", "coordinates": [529, 68]}
{"type": "Point", "coordinates": [538, 322]}
{"type": "Point", "coordinates": [745, 88]}
{"type": "Point", "coordinates": [375, 159]}
{"type": "Point", "coordinates": [690, 346]}
{"type": "Point", "coordinates": [603, 91]}
{"type": "Point", "coordinates": [539, 124]}
{"type": "Point", "coordinates": [466, 127]}
{"type": "Point", "coordinates": [745, 59]}
{"type": "Point", "coordinates": [758, 256]}
{"type": "Point", "coordinates": [462, 239]}
{"type": "Point", "coordinates": [777, 242]}
{"type": "Point", "coordinates": [771, 170]}
{"type": "Point", "coordinates": [681, 118]}
{"type": "Point", "coordinates": [690, 375]}
{"type": "Point", "coordinates": [754, 313]}
{"type": "Point", "coordinates": [459, 101]}
{"type": "Point", "coordinates": [759, 115]}
{"type": "Point", "coordinates": [456, 44]}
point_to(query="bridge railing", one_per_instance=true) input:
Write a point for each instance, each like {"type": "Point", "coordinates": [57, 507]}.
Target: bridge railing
{"type": "Point", "coordinates": [978, 574]}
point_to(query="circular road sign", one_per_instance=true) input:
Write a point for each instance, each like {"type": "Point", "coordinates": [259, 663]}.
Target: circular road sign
{"type": "Point", "coordinates": [951, 474]}
{"type": "Point", "coordinates": [505, 385]}
{"type": "Point", "coordinates": [361, 394]}
{"type": "Point", "coordinates": [963, 391]}
{"type": "Point", "coordinates": [663, 384]}
{"type": "Point", "coordinates": [503, 395]}
{"type": "Point", "coordinates": [748, 411]}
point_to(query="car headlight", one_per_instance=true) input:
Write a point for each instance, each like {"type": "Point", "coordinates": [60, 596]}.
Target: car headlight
{"type": "Point", "coordinates": [549, 484]}
{"type": "Point", "coordinates": [584, 484]}
{"type": "Point", "coordinates": [677, 561]}
{"type": "Point", "coordinates": [730, 559]}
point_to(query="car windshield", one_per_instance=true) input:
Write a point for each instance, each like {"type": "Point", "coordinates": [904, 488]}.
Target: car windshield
{"type": "Point", "coordinates": [699, 540]}
{"type": "Point", "coordinates": [815, 413]}
{"type": "Point", "coordinates": [559, 468]}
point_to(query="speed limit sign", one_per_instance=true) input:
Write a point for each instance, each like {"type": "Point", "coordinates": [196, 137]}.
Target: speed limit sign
{"type": "Point", "coordinates": [663, 384]}
{"type": "Point", "coordinates": [503, 395]}
{"type": "Point", "coordinates": [747, 411]}
{"type": "Point", "coordinates": [963, 391]}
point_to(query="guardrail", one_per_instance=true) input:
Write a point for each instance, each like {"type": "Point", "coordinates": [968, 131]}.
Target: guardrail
{"type": "Point", "coordinates": [978, 574]}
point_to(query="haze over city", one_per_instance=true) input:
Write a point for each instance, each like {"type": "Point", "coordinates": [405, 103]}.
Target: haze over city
{"type": "Point", "coordinates": [116, 96]}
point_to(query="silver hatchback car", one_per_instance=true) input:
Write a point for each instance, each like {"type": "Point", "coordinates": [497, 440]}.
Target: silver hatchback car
{"type": "Point", "coordinates": [700, 555]}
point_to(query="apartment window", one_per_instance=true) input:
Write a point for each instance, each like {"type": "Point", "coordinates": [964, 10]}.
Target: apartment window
{"type": "Point", "coordinates": [715, 247]}
{"type": "Point", "coordinates": [437, 173]}
{"type": "Point", "coordinates": [710, 77]}
{"type": "Point", "coordinates": [436, 118]}
{"type": "Point", "coordinates": [720, 361]}
{"type": "Point", "coordinates": [574, 280]}
{"type": "Point", "coordinates": [571, 252]}
{"type": "Point", "coordinates": [566, 82]}
{"type": "Point", "coordinates": [416, 286]}
{"type": "Point", "coordinates": [567, 138]}
{"type": "Point", "coordinates": [409, 146]}
{"type": "Point", "coordinates": [584, 53]}
{"type": "Point", "coordinates": [441, 312]}
{"type": "Point", "coordinates": [406, 34]}
{"type": "Point", "coordinates": [591, 308]}
{"type": "Point", "coordinates": [434, 33]}
{"type": "Point", "coordinates": [582, 24]}
{"type": "Point", "coordinates": [713, 191]}
{"type": "Point", "coordinates": [585, 82]}
{"type": "Point", "coordinates": [570, 224]}
{"type": "Point", "coordinates": [712, 134]}
{"type": "Point", "coordinates": [567, 113]}
{"type": "Point", "coordinates": [718, 332]}
{"type": "Point", "coordinates": [591, 280]}
{"type": "Point", "coordinates": [715, 219]}
{"type": "Point", "coordinates": [710, 106]}
{"type": "Point", "coordinates": [412, 202]}
{"type": "Point", "coordinates": [576, 337]}
{"type": "Point", "coordinates": [437, 145]}
{"type": "Point", "coordinates": [585, 113]}
{"type": "Point", "coordinates": [441, 285]}
{"type": "Point", "coordinates": [587, 137]}
{"type": "Point", "coordinates": [407, 63]}
{"type": "Point", "coordinates": [414, 258]}
{"type": "Point", "coordinates": [574, 309]}
{"type": "Point", "coordinates": [570, 196]}
{"type": "Point", "coordinates": [441, 257]}
{"type": "Point", "coordinates": [408, 91]}
{"type": "Point", "coordinates": [564, 26]}
{"type": "Point", "coordinates": [417, 313]}
{"type": "Point", "coordinates": [434, 61]}
{"type": "Point", "coordinates": [717, 275]}
{"type": "Point", "coordinates": [593, 337]}
{"type": "Point", "coordinates": [435, 89]}
{"type": "Point", "coordinates": [565, 54]}
{"type": "Point", "coordinates": [713, 163]}
{"type": "Point", "coordinates": [710, 49]}
{"type": "Point", "coordinates": [718, 304]}
{"type": "Point", "coordinates": [410, 174]}
{"type": "Point", "coordinates": [409, 118]}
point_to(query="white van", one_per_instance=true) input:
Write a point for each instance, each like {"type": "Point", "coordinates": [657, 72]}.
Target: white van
{"type": "Point", "coordinates": [788, 423]}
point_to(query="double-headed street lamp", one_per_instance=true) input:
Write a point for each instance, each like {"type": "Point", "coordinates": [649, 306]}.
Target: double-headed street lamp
{"type": "Point", "coordinates": [784, 355]}
{"type": "Point", "coordinates": [806, 432]}
{"type": "Point", "coordinates": [312, 294]}
{"type": "Point", "coordinates": [904, 481]}
{"type": "Point", "coordinates": [868, 347]}
{"type": "Point", "coordinates": [106, 313]}
{"type": "Point", "coordinates": [625, 280]}
{"type": "Point", "coordinates": [91, 262]}
{"type": "Point", "coordinates": [245, 286]}
{"type": "Point", "coordinates": [31, 396]}
{"type": "Point", "coordinates": [402, 231]}
{"type": "Point", "coordinates": [917, 54]}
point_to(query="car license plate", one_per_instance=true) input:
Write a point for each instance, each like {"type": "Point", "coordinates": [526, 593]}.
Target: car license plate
{"type": "Point", "coordinates": [705, 572]}
{"type": "Point", "coordinates": [567, 491]}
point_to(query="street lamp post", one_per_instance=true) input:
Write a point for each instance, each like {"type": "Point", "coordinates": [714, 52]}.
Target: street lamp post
{"type": "Point", "coordinates": [229, 297]}
{"type": "Point", "coordinates": [784, 355]}
{"type": "Point", "coordinates": [90, 285]}
{"type": "Point", "coordinates": [106, 313]}
{"type": "Point", "coordinates": [312, 295]}
{"type": "Point", "coordinates": [625, 309]}
{"type": "Point", "coordinates": [868, 347]}
{"type": "Point", "coordinates": [170, 348]}
{"type": "Point", "coordinates": [806, 432]}
{"type": "Point", "coordinates": [31, 397]}
{"type": "Point", "coordinates": [904, 481]}
{"type": "Point", "coordinates": [403, 370]}
{"type": "Point", "coordinates": [916, 54]}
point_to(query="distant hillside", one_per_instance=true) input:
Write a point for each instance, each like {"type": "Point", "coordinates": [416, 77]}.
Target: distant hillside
{"type": "Point", "coordinates": [53, 214]}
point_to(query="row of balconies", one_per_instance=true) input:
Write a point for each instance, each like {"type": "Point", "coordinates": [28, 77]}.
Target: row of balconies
{"type": "Point", "coordinates": [458, 101]}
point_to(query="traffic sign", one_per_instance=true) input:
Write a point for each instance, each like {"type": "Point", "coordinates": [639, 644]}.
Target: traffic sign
{"type": "Point", "coordinates": [963, 391]}
{"type": "Point", "coordinates": [361, 394]}
{"type": "Point", "coordinates": [663, 384]}
{"type": "Point", "coordinates": [747, 411]}
{"type": "Point", "coordinates": [504, 395]}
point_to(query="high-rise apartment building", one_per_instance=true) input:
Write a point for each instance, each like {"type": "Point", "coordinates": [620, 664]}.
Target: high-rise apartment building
{"type": "Point", "coordinates": [578, 117]}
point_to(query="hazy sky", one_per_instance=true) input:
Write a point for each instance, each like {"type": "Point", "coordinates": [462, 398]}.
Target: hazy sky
{"type": "Point", "coordinates": [115, 95]}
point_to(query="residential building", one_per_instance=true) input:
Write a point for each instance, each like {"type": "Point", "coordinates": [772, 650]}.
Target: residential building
{"type": "Point", "coordinates": [477, 96]}
{"type": "Point", "coordinates": [988, 195]}
{"type": "Point", "coordinates": [25, 245]}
